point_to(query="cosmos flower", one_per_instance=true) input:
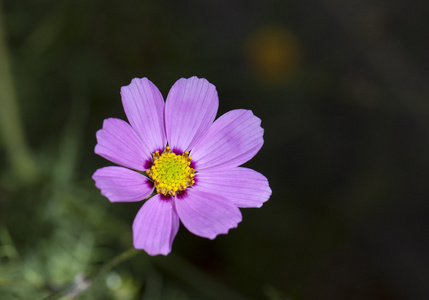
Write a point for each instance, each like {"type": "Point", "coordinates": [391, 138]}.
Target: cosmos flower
{"type": "Point", "coordinates": [187, 163]}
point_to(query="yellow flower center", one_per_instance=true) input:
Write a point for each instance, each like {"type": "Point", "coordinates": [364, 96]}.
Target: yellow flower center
{"type": "Point", "coordinates": [171, 172]}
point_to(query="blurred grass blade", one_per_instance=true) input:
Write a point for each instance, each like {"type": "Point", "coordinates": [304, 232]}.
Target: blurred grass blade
{"type": "Point", "coordinates": [11, 128]}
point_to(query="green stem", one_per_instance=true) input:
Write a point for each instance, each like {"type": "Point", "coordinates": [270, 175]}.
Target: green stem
{"type": "Point", "coordinates": [115, 261]}
{"type": "Point", "coordinates": [11, 128]}
{"type": "Point", "coordinates": [196, 278]}
{"type": "Point", "coordinates": [81, 283]}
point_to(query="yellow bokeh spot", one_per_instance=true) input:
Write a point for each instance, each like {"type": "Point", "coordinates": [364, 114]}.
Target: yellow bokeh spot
{"type": "Point", "coordinates": [274, 54]}
{"type": "Point", "coordinates": [170, 172]}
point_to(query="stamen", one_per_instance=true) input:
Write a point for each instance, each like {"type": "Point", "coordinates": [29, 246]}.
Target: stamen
{"type": "Point", "coordinates": [171, 173]}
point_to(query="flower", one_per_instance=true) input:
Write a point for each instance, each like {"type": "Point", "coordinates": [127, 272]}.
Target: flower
{"type": "Point", "coordinates": [187, 163]}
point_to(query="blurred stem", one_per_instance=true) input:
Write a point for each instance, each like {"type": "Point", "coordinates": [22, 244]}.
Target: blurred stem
{"type": "Point", "coordinates": [11, 128]}
{"type": "Point", "coordinates": [196, 278]}
{"type": "Point", "coordinates": [81, 283]}
{"type": "Point", "coordinates": [115, 261]}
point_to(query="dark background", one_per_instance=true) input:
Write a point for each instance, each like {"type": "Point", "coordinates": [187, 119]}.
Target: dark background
{"type": "Point", "coordinates": [342, 91]}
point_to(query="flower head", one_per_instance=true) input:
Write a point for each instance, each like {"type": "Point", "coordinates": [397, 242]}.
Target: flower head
{"type": "Point", "coordinates": [187, 163]}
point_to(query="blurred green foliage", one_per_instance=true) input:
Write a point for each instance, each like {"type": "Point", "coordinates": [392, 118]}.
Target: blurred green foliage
{"type": "Point", "coordinates": [341, 88]}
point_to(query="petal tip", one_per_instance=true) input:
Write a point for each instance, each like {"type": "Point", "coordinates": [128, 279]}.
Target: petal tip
{"type": "Point", "coordinates": [151, 252]}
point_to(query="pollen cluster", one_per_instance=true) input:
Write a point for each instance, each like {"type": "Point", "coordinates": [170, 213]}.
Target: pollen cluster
{"type": "Point", "coordinates": [170, 172]}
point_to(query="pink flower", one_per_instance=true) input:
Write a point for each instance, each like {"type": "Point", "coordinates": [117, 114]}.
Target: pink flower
{"type": "Point", "coordinates": [175, 153]}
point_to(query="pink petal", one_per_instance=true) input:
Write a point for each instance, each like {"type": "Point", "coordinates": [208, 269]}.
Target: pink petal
{"type": "Point", "coordinates": [118, 142]}
{"type": "Point", "coordinates": [155, 226]}
{"type": "Point", "coordinates": [244, 187]}
{"type": "Point", "coordinates": [206, 214]}
{"type": "Point", "coordinates": [144, 107]}
{"type": "Point", "coordinates": [190, 109]}
{"type": "Point", "coordinates": [232, 140]}
{"type": "Point", "coordinates": [122, 185]}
